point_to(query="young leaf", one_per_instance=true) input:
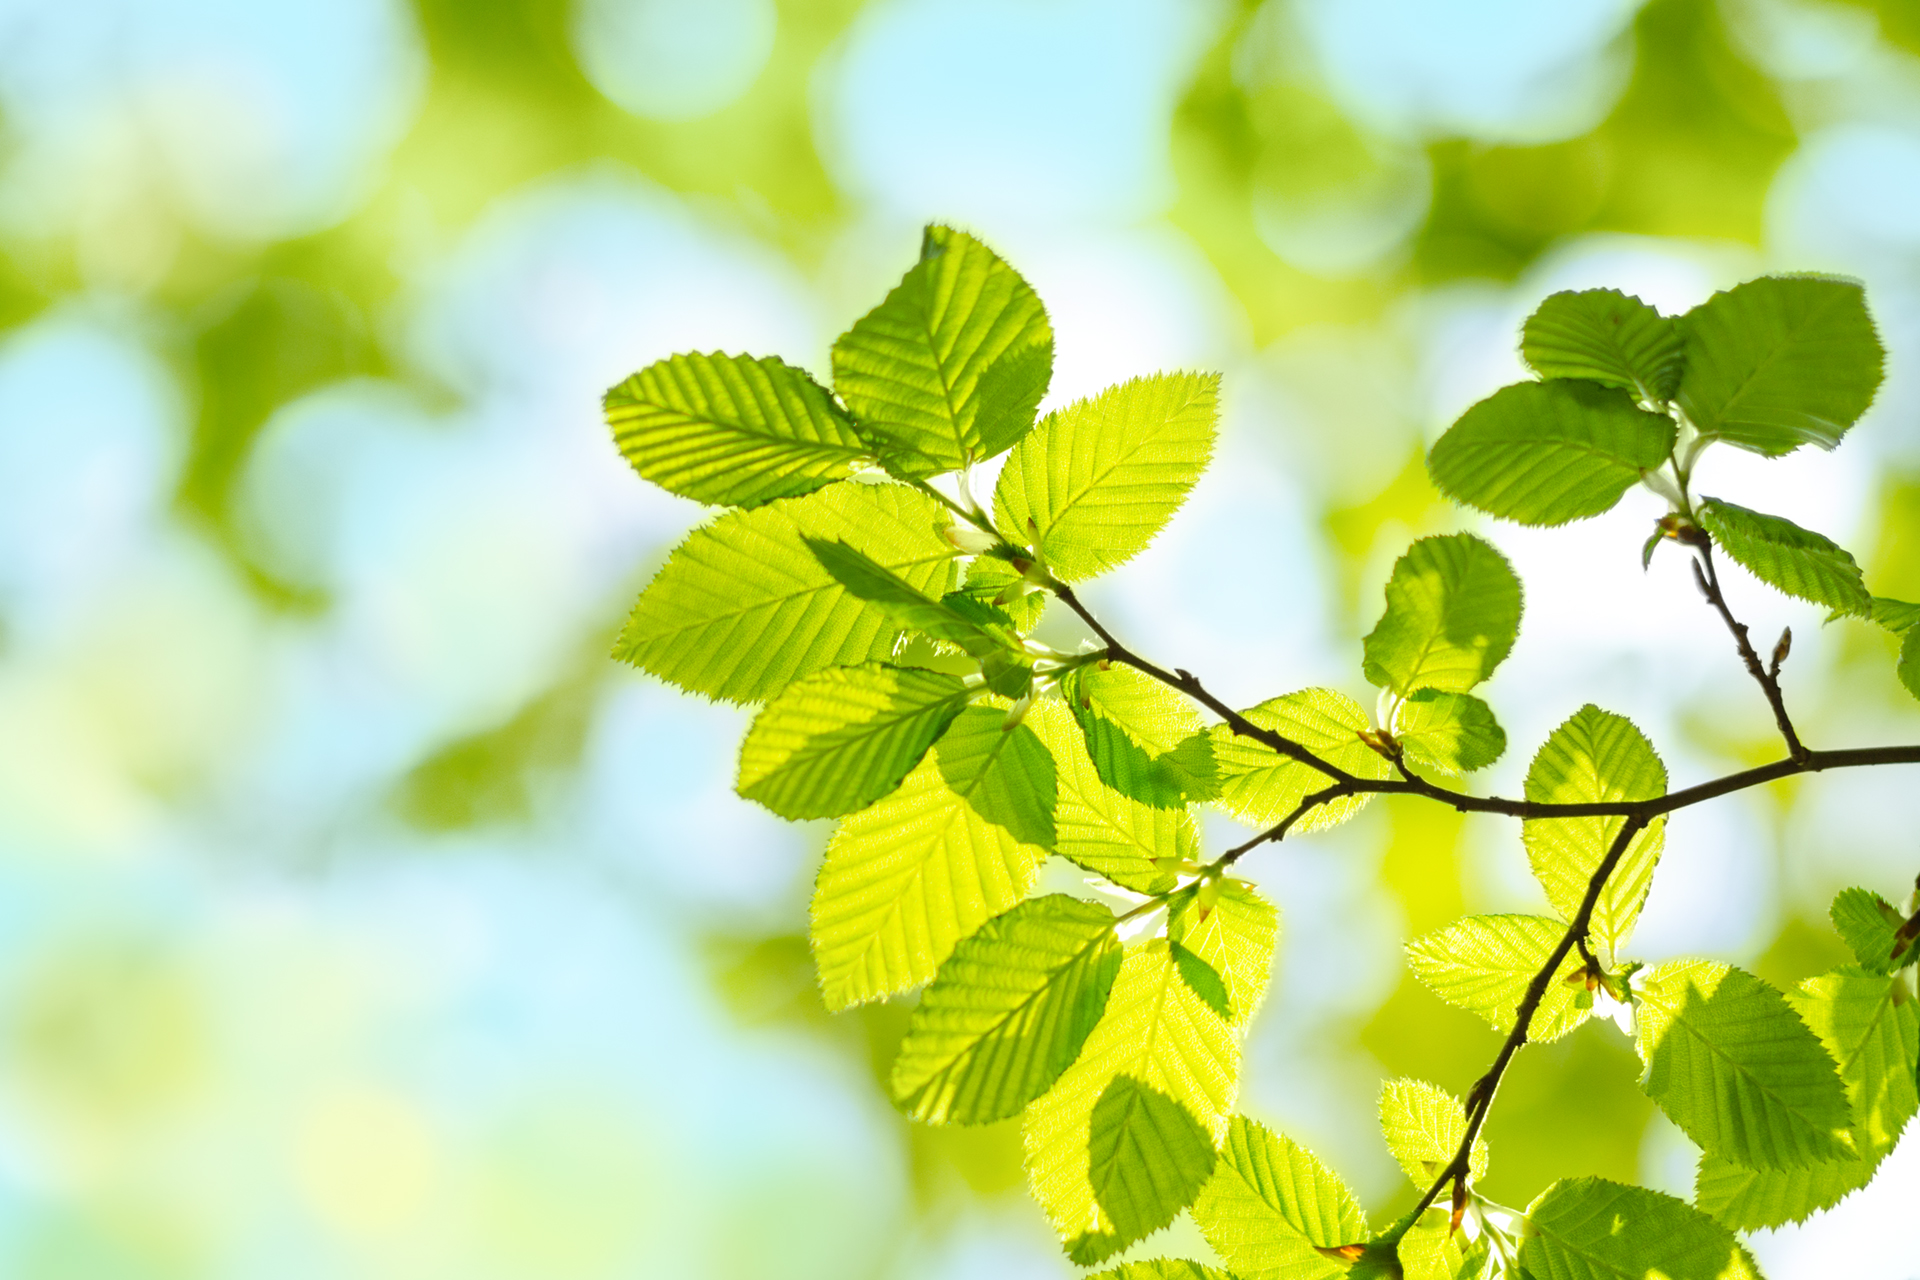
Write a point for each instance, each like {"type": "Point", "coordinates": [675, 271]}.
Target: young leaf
{"type": "Point", "coordinates": [906, 879]}
{"type": "Point", "coordinates": [842, 738]}
{"type": "Point", "coordinates": [1099, 478]}
{"type": "Point", "coordinates": [1781, 554]}
{"type": "Point", "coordinates": [1235, 938]}
{"type": "Point", "coordinates": [1424, 1125]}
{"type": "Point", "coordinates": [1204, 981]}
{"type": "Point", "coordinates": [1868, 1023]}
{"type": "Point", "coordinates": [742, 608]}
{"type": "Point", "coordinates": [1008, 1012]}
{"type": "Point", "coordinates": [1484, 963]}
{"type": "Point", "coordinates": [1157, 1034]}
{"type": "Point", "coordinates": [1595, 757]}
{"type": "Point", "coordinates": [1605, 336]}
{"type": "Point", "coordinates": [1433, 1250]}
{"type": "Point", "coordinates": [732, 429]}
{"type": "Point", "coordinates": [1096, 827]}
{"type": "Point", "coordinates": [1271, 1207]}
{"type": "Point", "coordinates": [1868, 924]}
{"type": "Point", "coordinates": [1544, 453]}
{"type": "Point", "coordinates": [1162, 1269]}
{"type": "Point", "coordinates": [995, 582]}
{"type": "Point", "coordinates": [1142, 736]}
{"type": "Point", "coordinates": [1260, 786]}
{"type": "Point", "coordinates": [1908, 668]}
{"type": "Point", "coordinates": [1733, 1065]}
{"type": "Point", "coordinates": [1452, 732]}
{"type": "Point", "coordinates": [1591, 1229]}
{"type": "Point", "coordinates": [1453, 610]}
{"type": "Point", "coordinates": [950, 368]}
{"type": "Point", "coordinates": [967, 626]}
{"type": "Point", "coordinates": [1779, 362]}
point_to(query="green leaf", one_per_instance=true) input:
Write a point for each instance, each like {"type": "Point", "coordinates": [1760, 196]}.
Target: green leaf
{"type": "Point", "coordinates": [995, 582]}
{"type": "Point", "coordinates": [1432, 1250]}
{"type": "Point", "coordinates": [950, 368]}
{"type": "Point", "coordinates": [1144, 738]}
{"type": "Point", "coordinates": [1147, 1159]}
{"type": "Point", "coordinates": [1132, 844]}
{"type": "Point", "coordinates": [1544, 453]}
{"type": "Point", "coordinates": [1260, 786]}
{"type": "Point", "coordinates": [1099, 478]}
{"type": "Point", "coordinates": [1909, 666]}
{"type": "Point", "coordinates": [1008, 1013]}
{"type": "Point", "coordinates": [1781, 554]}
{"type": "Point", "coordinates": [1484, 963]}
{"type": "Point", "coordinates": [1605, 336]}
{"type": "Point", "coordinates": [742, 609]}
{"type": "Point", "coordinates": [1234, 937]}
{"type": "Point", "coordinates": [1271, 1206]}
{"type": "Point", "coordinates": [1591, 1229]}
{"type": "Point", "coordinates": [1596, 757]}
{"type": "Point", "coordinates": [1779, 362]}
{"type": "Point", "coordinates": [1734, 1066]}
{"type": "Point", "coordinates": [732, 429]}
{"type": "Point", "coordinates": [1157, 1033]}
{"type": "Point", "coordinates": [1896, 616]}
{"type": "Point", "coordinates": [1868, 1023]}
{"type": "Point", "coordinates": [1424, 1125]}
{"type": "Point", "coordinates": [842, 738]}
{"type": "Point", "coordinates": [1202, 979]}
{"type": "Point", "coordinates": [907, 878]}
{"type": "Point", "coordinates": [1869, 925]}
{"type": "Point", "coordinates": [1453, 610]}
{"type": "Point", "coordinates": [1162, 1269]}
{"type": "Point", "coordinates": [969, 628]}
{"type": "Point", "coordinates": [1452, 732]}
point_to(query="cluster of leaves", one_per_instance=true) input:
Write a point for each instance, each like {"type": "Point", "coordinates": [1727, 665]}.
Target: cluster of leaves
{"type": "Point", "coordinates": [883, 625]}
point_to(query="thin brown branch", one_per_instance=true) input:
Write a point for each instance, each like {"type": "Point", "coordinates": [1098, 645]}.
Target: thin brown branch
{"type": "Point", "coordinates": [1708, 580]}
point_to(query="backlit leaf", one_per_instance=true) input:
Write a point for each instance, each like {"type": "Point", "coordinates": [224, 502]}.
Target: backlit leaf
{"type": "Point", "coordinates": [842, 738]}
{"type": "Point", "coordinates": [1453, 610]}
{"type": "Point", "coordinates": [1424, 1125]}
{"type": "Point", "coordinates": [1868, 1023]}
{"type": "Point", "coordinates": [907, 878]}
{"type": "Point", "coordinates": [995, 582]}
{"type": "Point", "coordinates": [1101, 830]}
{"type": "Point", "coordinates": [1271, 1206]}
{"type": "Point", "coordinates": [951, 366]}
{"type": "Point", "coordinates": [1099, 478]}
{"type": "Point", "coordinates": [1163, 1269]}
{"type": "Point", "coordinates": [1605, 336]}
{"type": "Point", "coordinates": [1781, 554]}
{"type": "Point", "coordinates": [1235, 937]}
{"type": "Point", "coordinates": [1142, 736]}
{"type": "Point", "coordinates": [1733, 1065]}
{"type": "Point", "coordinates": [1591, 1229]}
{"type": "Point", "coordinates": [732, 429]}
{"type": "Point", "coordinates": [1544, 453]}
{"type": "Point", "coordinates": [1452, 732]}
{"type": "Point", "coordinates": [1260, 786]}
{"type": "Point", "coordinates": [1595, 757]}
{"type": "Point", "coordinates": [967, 625]}
{"type": "Point", "coordinates": [1779, 362]}
{"type": "Point", "coordinates": [1484, 963]}
{"type": "Point", "coordinates": [1008, 1012]}
{"type": "Point", "coordinates": [1156, 1033]}
{"type": "Point", "coordinates": [742, 608]}
{"type": "Point", "coordinates": [1868, 924]}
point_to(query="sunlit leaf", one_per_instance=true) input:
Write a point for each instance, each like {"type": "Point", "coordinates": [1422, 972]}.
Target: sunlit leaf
{"type": "Point", "coordinates": [1595, 757]}
{"type": "Point", "coordinates": [1260, 786]}
{"type": "Point", "coordinates": [742, 608]}
{"type": "Point", "coordinates": [1453, 611]}
{"type": "Point", "coordinates": [842, 738]}
{"type": "Point", "coordinates": [1779, 362]}
{"type": "Point", "coordinates": [1590, 1229]}
{"type": "Point", "coordinates": [1782, 554]}
{"type": "Point", "coordinates": [732, 429]}
{"type": "Point", "coordinates": [1869, 924]}
{"type": "Point", "coordinates": [1097, 480]}
{"type": "Point", "coordinates": [965, 624]}
{"type": "Point", "coordinates": [1733, 1065]}
{"type": "Point", "coordinates": [1424, 1126]}
{"type": "Point", "coordinates": [1484, 963]}
{"type": "Point", "coordinates": [1544, 453]}
{"type": "Point", "coordinates": [1143, 737]}
{"type": "Point", "coordinates": [950, 368]}
{"type": "Point", "coordinates": [1235, 936]}
{"type": "Point", "coordinates": [1271, 1206]}
{"type": "Point", "coordinates": [1452, 732]}
{"type": "Point", "coordinates": [1008, 1013]}
{"type": "Point", "coordinates": [1101, 830]}
{"type": "Point", "coordinates": [1605, 336]}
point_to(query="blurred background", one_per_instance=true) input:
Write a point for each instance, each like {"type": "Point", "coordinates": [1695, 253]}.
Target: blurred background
{"type": "Point", "coordinates": [360, 918]}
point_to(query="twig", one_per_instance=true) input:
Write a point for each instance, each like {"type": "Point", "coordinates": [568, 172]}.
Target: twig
{"type": "Point", "coordinates": [1769, 679]}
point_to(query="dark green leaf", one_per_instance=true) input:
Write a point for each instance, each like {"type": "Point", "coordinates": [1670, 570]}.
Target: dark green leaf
{"type": "Point", "coordinates": [1781, 554]}
{"type": "Point", "coordinates": [1134, 845]}
{"type": "Point", "coordinates": [1908, 668]}
{"type": "Point", "coordinates": [1896, 616]}
{"type": "Point", "coordinates": [1590, 1229]}
{"type": "Point", "coordinates": [732, 429]}
{"type": "Point", "coordinates": [1147, 1159]}
{"type": "Point", "coordinates": [967, 627]}
{"type": "Point", "coordinates": [1779, 362]}
{"type": "Point", "coordinates": [1605, 336]}
{"type": "Point", "coordinates": [1545, 453]}
{"type": "Point", "coordinates": [950, 368]}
